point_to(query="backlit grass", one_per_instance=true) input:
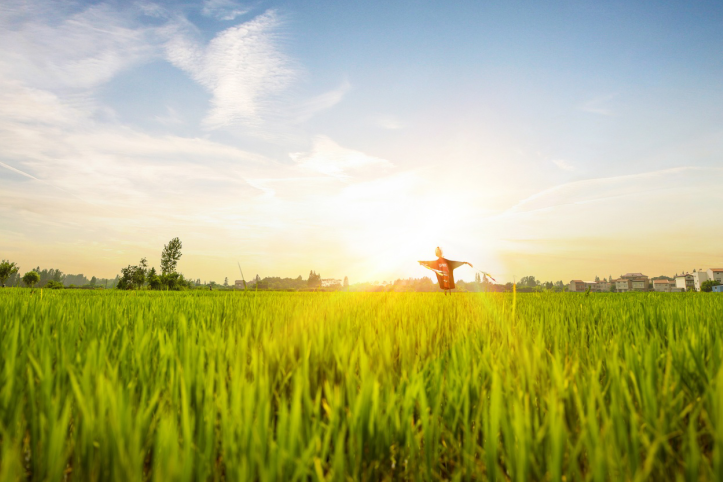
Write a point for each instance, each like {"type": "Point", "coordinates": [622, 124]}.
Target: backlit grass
{"type": "Point", "coordinates": [359, 386]}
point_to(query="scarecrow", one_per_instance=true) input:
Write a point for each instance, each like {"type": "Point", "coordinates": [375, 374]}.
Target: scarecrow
{"type": "Point", "coordinates": [444, 268]}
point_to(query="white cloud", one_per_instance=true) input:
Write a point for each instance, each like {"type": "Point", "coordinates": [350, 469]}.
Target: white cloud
{"type": "Point", "coordinates": [241, 67]}
{"type": "Point", "coordinates": [329, 158]}
{"type": "Point", "coordinates": [563, 164]}
{"type": "Point", "coordinates": [223, 9]}
{"type": "Point", "coordinates": [101, 163]}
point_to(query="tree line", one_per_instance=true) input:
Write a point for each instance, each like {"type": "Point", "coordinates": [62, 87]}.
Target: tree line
{"type": "Point", "coordinates": [10, 275]}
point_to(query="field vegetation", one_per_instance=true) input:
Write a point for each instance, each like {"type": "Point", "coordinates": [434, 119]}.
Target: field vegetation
{"type": "Point", "coordinates": [195, 386]}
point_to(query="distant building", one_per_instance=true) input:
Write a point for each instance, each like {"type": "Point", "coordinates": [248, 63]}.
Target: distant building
{"type": "Point", "coordinates": [716, 274]}
{"type": "Point", "coordinates": [684, 281]}
{"type": "Point", "coordinates": [632, 282]}
{"type": "Point", "coordinates": [601, 286]}
{"type": "Point", "coordinates": [718, 289]}
{"type": "Point", "coordinates": [239, 284]}
{"type": "Point", "coordinates": [699, 277]}
{"type": "Point", "coordinates": [623, 285]}
{"type": "Point", "coordinates": [577, 285]}
{"type": "Point", "coordinates": [640, 284]}
{"type": "Point", "coordinates": [328, 283]}
{"type": "Point", "coordinates": [663, 285]}
{"type": "Point", "coordinates": [597, 286]}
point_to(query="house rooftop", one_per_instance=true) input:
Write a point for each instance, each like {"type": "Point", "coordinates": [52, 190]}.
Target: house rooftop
{"type": "Point", "coordinates": [716, 270]}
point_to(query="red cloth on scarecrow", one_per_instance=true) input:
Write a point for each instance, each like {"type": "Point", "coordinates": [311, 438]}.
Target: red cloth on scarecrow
{"type": "Point", "coordinates": [444, 269]}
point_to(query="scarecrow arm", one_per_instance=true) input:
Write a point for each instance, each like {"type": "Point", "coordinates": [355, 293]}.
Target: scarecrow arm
{"type": "Point", "coordinates": [431, 265]}
{"type": "Point", "coordinates": [456, 264]}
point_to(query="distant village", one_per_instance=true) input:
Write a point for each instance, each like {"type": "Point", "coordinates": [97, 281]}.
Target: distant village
{"type": "Point", "coordinates": [698, 280]}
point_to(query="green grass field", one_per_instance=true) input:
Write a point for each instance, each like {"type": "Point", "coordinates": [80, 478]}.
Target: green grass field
{"type": "Point", "coordinates": [360, 386]}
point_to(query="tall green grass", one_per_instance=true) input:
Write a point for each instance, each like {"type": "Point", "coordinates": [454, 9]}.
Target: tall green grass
{"type": "Point", "coordinates": [364, 386]}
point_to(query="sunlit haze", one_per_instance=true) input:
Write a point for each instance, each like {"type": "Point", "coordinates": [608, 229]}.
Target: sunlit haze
{"type": "Point", "coordinates": [561, 140]}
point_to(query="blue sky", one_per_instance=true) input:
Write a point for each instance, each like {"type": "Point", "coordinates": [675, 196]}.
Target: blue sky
{"type": "Point", "coordinates": [564, 140]}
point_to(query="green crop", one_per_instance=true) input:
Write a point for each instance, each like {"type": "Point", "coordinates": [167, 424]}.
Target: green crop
{"type": "Point", "coordinates": [196, 386]}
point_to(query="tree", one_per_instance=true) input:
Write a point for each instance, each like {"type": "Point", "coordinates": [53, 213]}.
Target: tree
{"type": "Point", "coordinates": [346, 282]}
{"type": "Point", "coordinates": [707, 286]}
{"type": "Point", "coordinates": [133, 277]}
{"type": "Point", "coordinates": [7, 269]}
{"type": "Point", "coordinates": [93, 281]}
{"type": "Point", "coordinates": [31, 278]}
{"type": "Point", "coordinates": [154, 281]}
{"type": "Point", "coordinates": [225, 282]}
{"type": "Point", "coordinates": [314, 280]}
{"type": "Point", "coordinates": [139, 275]}
{"type": "Point", "coordinates": [597, 279]}
{"type": "Point", "coordinates": [175, 281]}
{"type": "Point", "coordinates": [170, 256]}
{"type": "Point", "coordinates": [54, 285]}
{"type": "Point", "coordinates": [528, 281]}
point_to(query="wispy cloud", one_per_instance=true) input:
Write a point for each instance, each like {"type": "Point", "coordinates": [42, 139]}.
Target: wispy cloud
{"type": "Point", "coordinates": [389, 122]}
{"type": "Point", "coordinates": [264, 184]}
{"type": "Point", "coordinates": [563, 164]}
{"type": "Point", "coordinates": [323, 101]}
{"type": "Point", "coordinates": [80, 51]}
{"type": "Point", "coordinates": [242, 68]}
{"type": "Point", "coordinates": [599, 105]}
{"type": "Point", "coordinates": [329, 158]}
{"type": "Point", "coordinates": [171, 118]}
{"type": "Point", "coordinates": [223, 9]}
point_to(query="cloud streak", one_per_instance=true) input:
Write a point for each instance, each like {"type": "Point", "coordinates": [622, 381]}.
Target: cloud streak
{"type": "Point", "coordinates": [390, 123]}
{"type": "Point", "coordinates": [223, 9]}
{"type": "Point", "coordinates": [563, 164]}
{"type": "Point", "coordinates": [323, 101]}
{"type": "Point", "coordinates": [599, 105]}
{"type": "Point", "coordinates": [600, 189]}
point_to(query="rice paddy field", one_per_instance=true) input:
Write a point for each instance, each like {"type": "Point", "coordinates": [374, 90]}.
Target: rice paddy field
{"type": "Point", "coordinates": [196, 386]}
